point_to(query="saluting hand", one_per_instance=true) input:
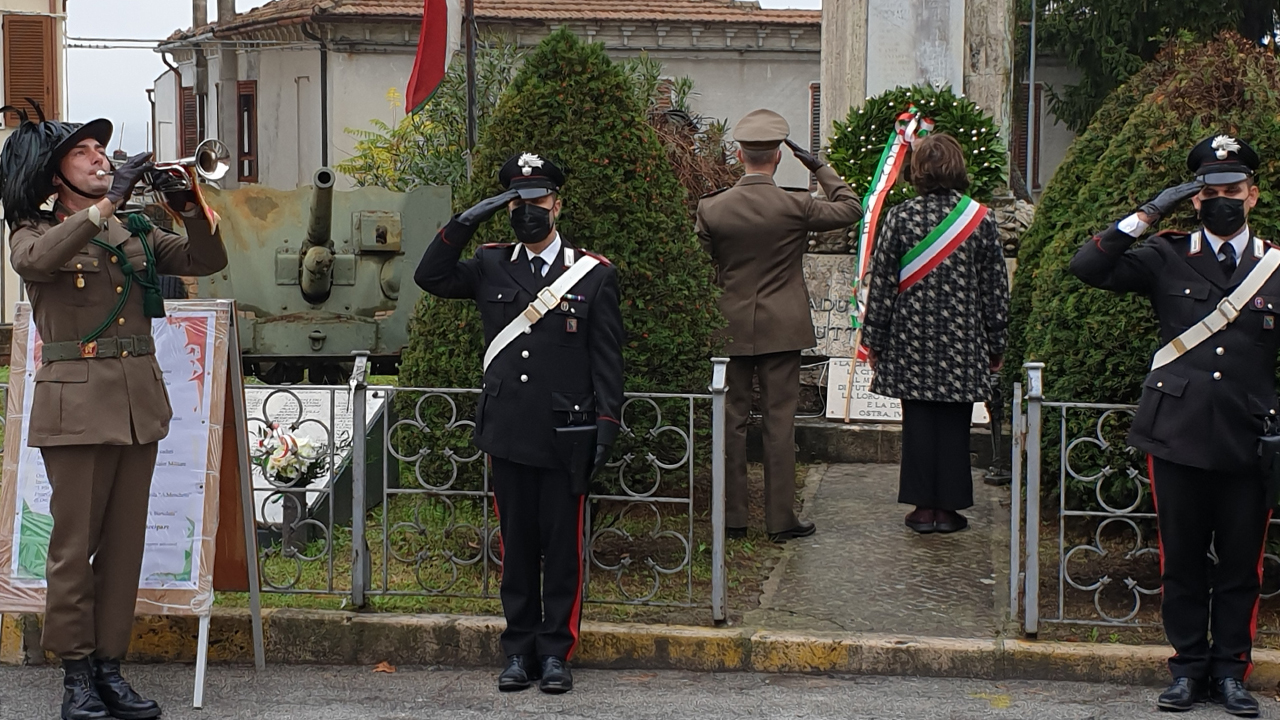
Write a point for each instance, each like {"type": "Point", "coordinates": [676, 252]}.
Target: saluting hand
{"type": "Point", "coordinates": [486, 209]}
{"type": "Point", "coordinates": [1168, 200]}
{"type": "Point", "coordinates": [806, 159]}
{"type": "Point", "coordinates": [126, 178]}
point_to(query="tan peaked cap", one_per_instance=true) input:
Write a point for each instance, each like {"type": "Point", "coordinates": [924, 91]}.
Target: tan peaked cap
{"type": "Point", "coordinates": [761, 130]}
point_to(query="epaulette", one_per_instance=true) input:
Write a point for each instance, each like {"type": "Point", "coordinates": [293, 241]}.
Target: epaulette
{"type": "Point", "coordinates": [1172, 235]}
{"type": "Point", "coordinates": [714, 193]}
{"type": "Point", "coordinates": [496, 245]}
{"type": "Point", "coordinates": [603, 260]}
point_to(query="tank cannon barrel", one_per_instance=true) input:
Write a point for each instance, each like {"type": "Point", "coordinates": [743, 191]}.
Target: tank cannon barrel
{"type": "Point", "coordinates": [317, 256]}
{"type": "Point", "coordinates": [320, 228]}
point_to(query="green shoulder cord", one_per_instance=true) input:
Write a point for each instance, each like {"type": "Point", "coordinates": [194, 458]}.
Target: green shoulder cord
{"type": "Point", "coordinates": [152, 301]}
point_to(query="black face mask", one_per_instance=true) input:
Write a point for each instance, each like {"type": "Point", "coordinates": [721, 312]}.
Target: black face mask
{"type": "Point", "coordinates": [1222, 216]}
{"type": "Point", "coordinates": [532, 223]}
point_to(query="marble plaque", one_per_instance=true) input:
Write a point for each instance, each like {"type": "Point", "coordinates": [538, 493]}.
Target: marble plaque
{"type": "Point", "coordinates": [866, 406]}
{"type": "Point", "coordinates": [912, 43]}
{"type": "Point", "coordinates": [829, 280]}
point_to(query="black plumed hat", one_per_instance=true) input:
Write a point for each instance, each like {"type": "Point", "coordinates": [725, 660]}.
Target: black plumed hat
{"type": "Point", "coordinates": [30, 157]}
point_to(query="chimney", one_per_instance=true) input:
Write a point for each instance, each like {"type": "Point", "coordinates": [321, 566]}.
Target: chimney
{"type": "Point", "coordinates": [199, 13]}
{"type": "Point", "coordinates": [226, 11]}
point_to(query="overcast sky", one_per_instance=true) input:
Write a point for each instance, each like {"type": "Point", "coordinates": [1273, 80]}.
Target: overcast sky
{"type": "Point", "coordinates": [113, 83]}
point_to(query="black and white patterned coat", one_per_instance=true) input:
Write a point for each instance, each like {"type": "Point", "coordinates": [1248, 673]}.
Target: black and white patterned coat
{"type": "Point", "coordinates": [934, 342]}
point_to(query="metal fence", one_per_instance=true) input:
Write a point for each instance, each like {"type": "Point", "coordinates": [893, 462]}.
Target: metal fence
{"type": "Point", "coordinates": [405, 489]}
{"type": "Point", "coordinates": [1095, 561]}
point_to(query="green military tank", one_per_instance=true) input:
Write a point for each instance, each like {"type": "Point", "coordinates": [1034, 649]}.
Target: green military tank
{"type": "Point", "coordinates": [318, 274]}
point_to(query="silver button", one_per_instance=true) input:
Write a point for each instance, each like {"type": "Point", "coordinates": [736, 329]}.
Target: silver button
{"type": "Point", "coordinates": [524, 378]}
{"type": "Point", "coordinates": [499, 296]}
{"type": "Point", "coordinates": [1220, 351]}
{"type": "Point", "coordinates": [1217, 376]}
{"type": "Point", "coordinates": [1160, 384]}
{"type": "Point", "coordinates": [572, 310]}
{"type": "Point", "coordinates": [525, 354]}
{"type": "Point", "coordinates": [575, 407]}
{"type": "Point", "coordinates": [528, 330]}
{"type": "Point", "coordinates": [1187, 291]}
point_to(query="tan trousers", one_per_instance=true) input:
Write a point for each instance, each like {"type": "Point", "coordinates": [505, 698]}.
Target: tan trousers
{"type": "Point", "coordinates": [779, 375]}
{"type": "Point", "coordinates": [99, 506]}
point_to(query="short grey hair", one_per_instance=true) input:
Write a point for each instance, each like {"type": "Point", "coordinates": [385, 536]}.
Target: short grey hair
{"type": "Point", "coordinates": [759, 157]}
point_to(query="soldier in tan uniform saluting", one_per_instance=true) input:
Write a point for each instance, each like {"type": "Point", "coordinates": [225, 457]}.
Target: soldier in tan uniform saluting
{"type": "Point", "coordinates": [100, 406]}
{"type": "Point", "coordinates": [757, 234]}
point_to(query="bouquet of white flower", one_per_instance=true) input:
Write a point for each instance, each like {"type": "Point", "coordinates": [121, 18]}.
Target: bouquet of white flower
{"type": "Point", "coordinates": [288, 460]}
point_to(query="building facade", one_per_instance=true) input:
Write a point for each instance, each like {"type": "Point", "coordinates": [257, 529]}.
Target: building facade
{"type": "Point", "coordinates": [32, 65]}
{"type": "Point", "coordinates": [282, 83]}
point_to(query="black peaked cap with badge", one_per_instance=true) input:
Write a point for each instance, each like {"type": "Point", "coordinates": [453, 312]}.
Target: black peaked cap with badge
{"type": "Point", "coordinates": [533, 176]}
{"type": "Point", "coordinates": [30, 157]}
{"type": "Point", "coordinates": [1223, 160]}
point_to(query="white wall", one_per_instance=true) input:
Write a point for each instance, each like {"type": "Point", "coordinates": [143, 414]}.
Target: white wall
{"type": "Point", "coordinates": [1055, 138]}
{"type": "Point", "coordinates": [288, 115]}
{"type": "Point", "coordinates": [166, 99]}
{"type": "Point", "coordinates": [360, 84]}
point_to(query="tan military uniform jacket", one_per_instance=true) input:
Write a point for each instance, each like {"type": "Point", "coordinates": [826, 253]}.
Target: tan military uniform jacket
{"type": "Point", "coordinates": [757, 234]}
{"type": "Point", "coordinates": [73, 287]}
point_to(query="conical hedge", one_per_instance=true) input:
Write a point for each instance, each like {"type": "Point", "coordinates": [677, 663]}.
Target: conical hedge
{"type": "Point", "coordinates": [1098, 345]}
{"type": "Point", "coordinates": [571, 103]}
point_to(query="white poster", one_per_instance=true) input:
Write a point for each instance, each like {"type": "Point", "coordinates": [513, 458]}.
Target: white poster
{"type": "Point", "coordinates": [866, 405]}
{"type": "Point", "coordinates": [175, 518]}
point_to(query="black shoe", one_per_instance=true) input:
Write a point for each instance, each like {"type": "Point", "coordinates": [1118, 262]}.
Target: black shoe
{"type": "Point", "coordinates": [556, 677]}
{"type": "Point", "coordinates": [949, 521]}
{"type": "Point", "coordinates": [520, 673]}
{"type": "Point", "coordinates": [1231, 695]}
{"type": "Point", "coordinates": [735, 533]}
{"type": "Point", "coordinates": [922, 521]}
{"type": "Point", "coordinates": [1182, 695]}
{"type": "Point", "coordinates": [804, 529]}
{"type": "Point", "coordinates": [80, 699]}
{"type": "Point", "coordinates": [121, 700]}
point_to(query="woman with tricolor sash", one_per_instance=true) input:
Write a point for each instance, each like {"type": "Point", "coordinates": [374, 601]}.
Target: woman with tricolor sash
{"type": "Point", "coordinates": [937, 309]}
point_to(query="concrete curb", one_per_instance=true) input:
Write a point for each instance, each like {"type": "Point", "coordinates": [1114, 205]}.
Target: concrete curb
{"type": "Point", "coordinates": [305, 637]}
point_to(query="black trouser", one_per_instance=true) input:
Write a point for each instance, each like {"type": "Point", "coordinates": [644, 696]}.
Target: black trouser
{"type": "Point", "coordinates": [1198, 509]}
{"type": "Point", "coordinates": [935, 470]}
{"type": "Point", "coordinates": [541, 524]}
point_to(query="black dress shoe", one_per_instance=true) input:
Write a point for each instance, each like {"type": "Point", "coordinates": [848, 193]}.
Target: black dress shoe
{"type": "Point", "coordinates": [520, 673]}
{"type": "Point", "coordinates": [121, 699]}
{"type": "Point", "coordinates": [80, 699]}
{"type": "Point", "coordinates": [1182, 695]}
{"type": "Point", "coordinates": [804, 529]}
{"type": "Point", "coordinates": [949, 521]}
{"type": "Point", "coordinates": [556, 677]}
{"type": "Point", "coordinates": [735, 533]}
{"type": "Point", "coordinates": [1231, 695]}
{"type": "Point", "coordinates": [922, 521]}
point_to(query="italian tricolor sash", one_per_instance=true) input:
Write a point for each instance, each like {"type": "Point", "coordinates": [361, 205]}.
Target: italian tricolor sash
{"type": "Point", "coordinates": [939, 244]}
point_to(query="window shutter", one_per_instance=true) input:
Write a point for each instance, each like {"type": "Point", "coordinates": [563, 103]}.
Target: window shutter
{"type": "Point", "coordinates": [1019, 153]}
{"type": "Point", "coordinates": [30, 65]}
{"type": "Point", "coordinates": [247, 135]}
{"type": "Point", "coordinates": [189, 112]}
{"type": "Point", "coordinates": [815, 126]}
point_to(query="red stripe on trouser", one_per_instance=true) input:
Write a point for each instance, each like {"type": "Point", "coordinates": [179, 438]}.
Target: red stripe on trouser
{"type": "Point", "coordinates": [575, 618]}
{"type": "Point", "coordinates": [502, 549]}
{"type": "Point", "coordinates": [1151, 476]}
{"type": "Point", "coordinates": [1253, 621]}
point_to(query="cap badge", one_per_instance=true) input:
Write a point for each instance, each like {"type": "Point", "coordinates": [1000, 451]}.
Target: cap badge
{"type": "Point", "coordinates": [1225, 145]}
{"type": "Point", "coordinates": [528, 162]}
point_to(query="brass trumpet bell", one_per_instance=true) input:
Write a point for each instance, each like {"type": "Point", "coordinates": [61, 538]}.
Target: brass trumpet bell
{"type": "Point", "coordinates": [211, 162]}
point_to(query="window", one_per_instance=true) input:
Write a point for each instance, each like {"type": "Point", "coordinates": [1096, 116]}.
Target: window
{"type": "Point", "coordinates": [1020, 132]}
{"type": "Point", "coordinates": [247, 120]}
{"type": "Point", "coordinates": [30, 65]}
{"type": "Point", "coordinates": [815, 126]}
{"type": "Point", "coordinates": [188, 122]}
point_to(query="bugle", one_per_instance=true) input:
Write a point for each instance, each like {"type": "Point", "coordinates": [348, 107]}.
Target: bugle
{"type": "Point", "coordinates": [211, 163]}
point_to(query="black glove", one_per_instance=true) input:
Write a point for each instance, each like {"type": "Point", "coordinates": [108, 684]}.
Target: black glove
{"type": "Point", "coordinates": [485, 209]}
{"type": "Point", "coordinates": [180, 199]}
{"type": "Point", "coordinates": [127, 176]}
{"type": "Point", "coordinates": [810, 161]}
{"type": "Point", "coordinates": [1170, 199]}
{"type": "Point", "coordinates": [602, 458]}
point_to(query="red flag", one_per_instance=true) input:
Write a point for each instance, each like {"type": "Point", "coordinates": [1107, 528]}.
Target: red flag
{"type": "Point", "coordinates": [441, 21]}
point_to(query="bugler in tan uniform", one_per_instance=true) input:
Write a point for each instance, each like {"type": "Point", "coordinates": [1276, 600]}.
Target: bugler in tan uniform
{"type": "Point", "coordinates": [757, 234]}
{"type": "Point", "coordinates": [100, 406]}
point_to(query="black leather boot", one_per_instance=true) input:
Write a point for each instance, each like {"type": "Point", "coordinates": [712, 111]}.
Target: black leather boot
{"type": "Point", "coordinates": [80, 699]}
{"type": "Point", "coordinates": [1231, 695]}
{"type": "Point", "coordinates": [121, 700]}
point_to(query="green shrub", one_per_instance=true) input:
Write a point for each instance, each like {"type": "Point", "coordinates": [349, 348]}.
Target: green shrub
{"type": "Point", "coordinates": [857, 143]}
{"type": "Point", "coordinates": [571, 103]}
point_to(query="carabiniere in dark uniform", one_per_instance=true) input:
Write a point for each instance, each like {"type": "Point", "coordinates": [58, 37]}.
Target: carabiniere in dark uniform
{"type": "Point", "coordinates": [548, 413]}
{"type": "Point", "coordinates": [1202, 413]}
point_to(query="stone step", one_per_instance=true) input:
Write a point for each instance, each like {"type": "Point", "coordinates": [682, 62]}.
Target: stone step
{"type": "Point", "coordinates": [821, 441]}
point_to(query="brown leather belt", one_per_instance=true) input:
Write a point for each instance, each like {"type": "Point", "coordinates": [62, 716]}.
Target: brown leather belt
{"type": "Point", "coordinates": [108, 347]}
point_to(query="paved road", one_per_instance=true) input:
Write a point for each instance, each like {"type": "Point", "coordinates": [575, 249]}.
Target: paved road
{"type": "Point", "coordinates": [416, 694]}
